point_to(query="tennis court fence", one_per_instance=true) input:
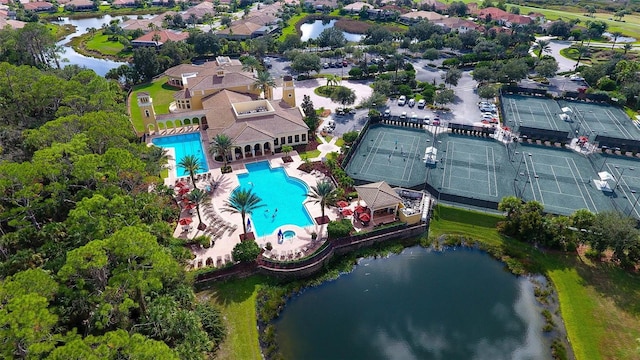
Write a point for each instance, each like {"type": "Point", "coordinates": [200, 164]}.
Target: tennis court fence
{"type": "Point", "coordinates": [618, 143]}
{"type": "Point", "coordinates": [544, 134]}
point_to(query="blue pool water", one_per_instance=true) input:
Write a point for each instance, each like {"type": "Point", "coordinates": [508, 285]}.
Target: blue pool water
{"type": "Point", "coordinates": [184, 144]}
{"type": "Point", "coordinates": [277, 191]}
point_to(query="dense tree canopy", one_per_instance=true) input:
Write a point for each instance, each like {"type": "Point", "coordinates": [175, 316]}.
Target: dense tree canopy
{"type": "Point", "coordinates": [89, 266]}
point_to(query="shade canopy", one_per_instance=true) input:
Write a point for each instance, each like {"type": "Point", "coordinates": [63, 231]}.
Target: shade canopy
{"type": "Point", "coordinates": [360, 209]}
{"type": "Point", "coordinates": [379, 195]}
{"type": "Point", "coordinates": [364, 217]}
{"type": "Point", "coordinates": [185, 221]}
{"type": "Point", "coordinates": [604, 176]}
{"type": "Point", "coordinates": [342, 204]}
{"type": "Point", "coordinates": [190, 206]}
{"type": "Point", "coordinates": [347, 212]}
{"type": "Point", "coordinates": [183, 190]}
{"type": "Point", "coordinates": [181, 184]}
{"type": "Point", "coordinates": [566, 110]}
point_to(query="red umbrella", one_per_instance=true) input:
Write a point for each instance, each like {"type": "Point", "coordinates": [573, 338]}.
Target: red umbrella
{"type": "Point", "coordinates": [365, 217]}
{"type": "Point", "coordinates": [190, 206]}
{"type": "Point", "coordinates": [342, 204]}
{"type": "Point", "coordinates": [185, 201]}
{"type": "Point", "coordinates": [181, 184]}
{"type": "Point", "coordinates": [583, 138]}
{"type": "Point", "coordinates": [347, 212]}
{"type": "Point", "coordinates": [360, 209]}
{"type": "Point", "coordinates": [185, 221]}
{"type": "Point", "coordinates": [183, 191]}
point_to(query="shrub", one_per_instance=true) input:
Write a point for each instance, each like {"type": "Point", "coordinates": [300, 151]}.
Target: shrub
{"type": "Point", "coordinates": [355, 72]}
{"type": "Point", "coordinates": [451, 62]}
{"type": "Point", "coordinates": [350, 137]}
{"type": "Point", "coordinates": [338, 229]}
{"type": "Point", "coordinates": [245, 251]}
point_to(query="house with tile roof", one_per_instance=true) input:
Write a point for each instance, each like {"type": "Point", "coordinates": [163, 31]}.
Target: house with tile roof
{"type": "Point", "coordinates": [41, 6]}
{"type": "Point", "coordinates": [79, 5]}
{"type": "Point", "coordinates": [356, 7]}
{"type": "Point", "coordinates": [146, 25]}
{"type": "Point", "coordinates": [14, 24]}
{"type": "Point", "coordinates": [222, 99]}
{"type": "Point", "coordinates": [416, 16]}
{"type": "Point", "coordinates": [458, 24]}
{"type": "Point", "coordinates": [200, 10]}
{"type": "Point", "coordinates": [149, 39]}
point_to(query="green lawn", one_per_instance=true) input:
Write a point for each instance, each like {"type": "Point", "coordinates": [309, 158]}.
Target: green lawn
{"type": "Point", "coordinates": [310, 154]}
{"type": "Point", "coordinates": [600, 303]}
{"type": "Point", "coordinates": [291, 25]}
{"type": "Point", "coordinates": [100, 43]}
{"type": "Point", "coordinates": [237, 300]}
{"type": "Point", "coordinates": [161, 94]}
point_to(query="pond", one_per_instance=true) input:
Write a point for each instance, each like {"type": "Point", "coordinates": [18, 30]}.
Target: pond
{"type": "Point", "coordinates": [313, 30]}
{"type": "Point", "coordinates": [71, 57]}
{"type": "Point", "coordinates": [620, 39]}
{"type": "Point", "coordinates": [421, 304]}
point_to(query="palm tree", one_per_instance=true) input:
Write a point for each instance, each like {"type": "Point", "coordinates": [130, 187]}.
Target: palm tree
{"type": "Point", "coordinates": [264, 82]}
{"type": "Point", "coordinates": [243, 202]}
{"type": "Point", "coordinates": [542, 46]}
{"type": "Point", "coordinates": [333, 80]}
{"type": "Point", "coordinates": [191, 164]}
{"type": "Point", "coordinates": [616, 35]}
{"type": "Point", "coordinates": [627, 47]}
{"type": "Point", "coordinates": [158, 159]}
{"type": "Point", "coordinates": [197, 197]}
{"type": "Point", "coordinates": [156, 38]}
{"type": "Point", "coordinates": [323, 193]}
{"type": "Point", "coordinates": [398, 61]}
{"type": "Point", "coordinates": [582, 51]}
{"type": "Point", "coordinates": [221, 145]}
{"type": "Point", "coordinates": [251, 63]}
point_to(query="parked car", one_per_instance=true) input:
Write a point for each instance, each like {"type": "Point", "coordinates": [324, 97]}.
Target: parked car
{"type": "Point", "coordinates": [421, 103]}
{"type": "Point", "coordinates": [576, 77]}
{"type": "Point", "coordinates": [267, 63]}
{"type": "Point", "coordinates": [402, 100]}
{"type": "Point", "coordinates": [345, 63]}
{"type": "Point", "coordinates": [387, 113]}
{"type": "Point", "coordinates": [412, 102]}
{"type": "Point", "coordinates": [403, 115]}
{"type": "Point", "coordinates": [325, 65]}
{"type": "Point", "coordinates": [426, 120]}
{"type": "Point", "coordinates": [414, 118]}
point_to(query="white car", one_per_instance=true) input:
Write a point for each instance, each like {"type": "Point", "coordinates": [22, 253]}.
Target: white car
{"type": "Point", "coordinates": [576, 77]}
{"type": "Point", "coordinates": [414, 118]}
{"type": "Point", "coordinates": [412, 102]}
{"type": "Point", "coordinates": [387, 113]}
{"type": "Point", "coordinates": [426, 120]}
{"type": "Point", "coordinates": [402, 100]}
{"type": "Point", "coordinates": [484, 103]}
{"type": "Point", "coordinates": [421, 103]}
{"type": "Point", "coordinates": [404, 115]}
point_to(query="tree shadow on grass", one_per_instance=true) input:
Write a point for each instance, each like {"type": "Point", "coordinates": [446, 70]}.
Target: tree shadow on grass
{"type": "Point", "coordinates": [232, 291]}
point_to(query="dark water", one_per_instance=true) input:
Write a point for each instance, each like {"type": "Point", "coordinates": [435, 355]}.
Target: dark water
{"type": "Point", "coordinates": [313, 30]}
{"type": "Point", "coordinates": [456, 304]}
{"type": "Point", "coordinates": [70, 56]}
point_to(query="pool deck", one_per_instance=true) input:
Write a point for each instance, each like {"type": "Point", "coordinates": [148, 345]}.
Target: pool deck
{"type": "Point", "coordinates": [225, 228]}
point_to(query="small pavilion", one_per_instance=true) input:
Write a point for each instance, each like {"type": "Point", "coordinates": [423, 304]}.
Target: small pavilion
{"type": "Point", "coordinates": [380, 198]}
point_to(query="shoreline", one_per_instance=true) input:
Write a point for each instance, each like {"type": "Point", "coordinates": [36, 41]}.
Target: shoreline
{"type": "Point", "coordinates": [554, 333]}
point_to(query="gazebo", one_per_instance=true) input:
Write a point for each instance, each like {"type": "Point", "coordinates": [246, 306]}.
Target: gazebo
{"type": "Point", "coordinates": [379, 197]}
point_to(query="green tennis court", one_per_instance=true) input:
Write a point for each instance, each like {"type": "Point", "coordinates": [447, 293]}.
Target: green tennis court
{"type": "Point", "coordinates": [391, 154]}
{"type": "Point", "coordinates": [559, 179]}
{"type": "Point", "coordinates": [538, 112]}
{"type": "Point", "coordinates": [601, 119]}
{"type": "Point", "coordinates": [626, 186]}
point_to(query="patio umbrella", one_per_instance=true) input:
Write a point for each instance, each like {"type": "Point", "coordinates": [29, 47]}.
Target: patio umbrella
{"type": "Point", "coordinates": [347, 212]}
{"type": "Point", "coordinates": [190, 206]}
{"type": "Point", "coordinates": [583, 138]}
{"type": "Point", "coordinates": [183, 190]}
{"type": "Point", "coordinates": [359, 209]}
{"type": "Point", "coordinates": [185, 221]}
{"type": "Point", "coordinates": [342, 204]}
{"type": "Point", "coordinates": [181, 184]}
{"type": "Point", "coordinates": [365, 217]}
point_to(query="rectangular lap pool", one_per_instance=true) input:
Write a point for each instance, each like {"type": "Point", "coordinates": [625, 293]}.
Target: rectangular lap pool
{"type": "Point", "coordinates": [184, 144]}
{"type": "Point", "coordinates": [283, 198]}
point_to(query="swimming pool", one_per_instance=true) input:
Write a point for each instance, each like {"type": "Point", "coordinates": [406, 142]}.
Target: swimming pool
{"type": "Point", "coordinates": [184, 144]}
{"type": "Point", "coordinates": [282, 196]}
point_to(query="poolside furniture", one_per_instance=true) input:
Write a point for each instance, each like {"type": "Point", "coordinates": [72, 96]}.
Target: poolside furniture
{"type": "Point", "coordinates": [219, 261]}
{"type": "Point", "coordinates": [227, 258]}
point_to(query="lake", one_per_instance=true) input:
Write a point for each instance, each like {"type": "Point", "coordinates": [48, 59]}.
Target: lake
{"type": "Point", "coordinates": [421, 304]}
{"type": "Point", "coordinates": [313, 30]}
{"type": "Point", "coordinates": [71, 57]}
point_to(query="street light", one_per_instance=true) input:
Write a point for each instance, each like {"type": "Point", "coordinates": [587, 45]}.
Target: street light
{"type": "Point", "coordinates": [635, 203]}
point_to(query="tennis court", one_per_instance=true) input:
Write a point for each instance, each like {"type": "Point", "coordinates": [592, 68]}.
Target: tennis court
{"type": "Point", "coordinates": [600, 119]}
{"type": "Point", "coordinates": [626, 186]}
{"type": "Point", "coordinates": [391, 154]}
{"type": "Point", "coordinates": [559, 179]}
{"type": "Point", "coordinates": [537, 112]}
{"type": "Point", "coordinates": [471, 167]}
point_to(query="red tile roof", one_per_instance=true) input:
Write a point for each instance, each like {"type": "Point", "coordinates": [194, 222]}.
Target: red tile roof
{"type": "Point", "coordinates": [165, 35]}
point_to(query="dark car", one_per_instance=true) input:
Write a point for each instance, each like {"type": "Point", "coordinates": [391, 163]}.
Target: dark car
{"type": "Point", "coordinates": [345, 63]}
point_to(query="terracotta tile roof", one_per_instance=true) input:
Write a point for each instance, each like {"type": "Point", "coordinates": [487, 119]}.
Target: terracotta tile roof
{"type": "Point", "coordinates": [165, 35]}
{"type": "Point", "coordinates": [242, 27]}
{"type": "Point", "coordinates": [427, 15]}
{"type": "Point", "coordinates": [36, 6]}
{"type": "Point", "coordinates": [200, 10]}
{"type": "Point", "coordinates": [14, 24]}
{"type": "Point", "coordinates": [229, 80]}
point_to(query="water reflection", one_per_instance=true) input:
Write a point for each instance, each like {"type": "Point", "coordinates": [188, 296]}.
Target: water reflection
{"type": "Point", "coordinates": [71, 57]}
{"type": "Point", "coordinates": [313, 30]}
{"type": "Point", "coordinates": [456, 305]}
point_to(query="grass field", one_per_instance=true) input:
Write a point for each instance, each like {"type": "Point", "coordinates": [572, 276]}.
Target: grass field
{"type": "Point", "coordinates": [161, 94]}
{"type": "Point", "coordinates": [100, 43]}
{"type": "Point", "coordinates": [600, 303]}
{"type": "Point", "coordinates": [237, 301]}
{"type": "Point", "coordinates": [291, 25]}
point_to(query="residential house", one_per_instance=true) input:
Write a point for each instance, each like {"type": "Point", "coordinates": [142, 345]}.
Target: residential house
{"type": "Point", "coordinates": [322, 5]}
{"type": "Point", "coordinates": [356, 7]}
{"type": "Point", "coordinates": [14, 24]}
{"type": "Point", "coordinates": [79, 5]}
{"type": "Point", "coordinates": [199, 11]}
{"type": "Point", "coordinates": [502, 17]}
{"type": "Point", "coordinates": [246, 29]}
{"type": "Point", "coordinates": [40, 6]}
{"type": "Point", "coordinates": [459, 25]}
{"type": "Point", "coordinates": [433, 5]}
{"type": "Point", "coordinates": [416, 16]}
{"type": "Point", "coordinates": [123, 3]}
{"type": "Point", "coordinates": [222, 98]}
{"type": "Point", "coordinates": [163, 36]}
{"type": "Point", "coordinates": [146, 25]}
{"type": "Point", "coordinates": [538, 18]}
